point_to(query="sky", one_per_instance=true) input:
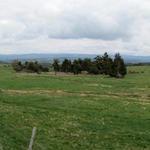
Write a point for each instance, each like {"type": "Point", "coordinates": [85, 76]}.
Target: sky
{"type": "Point", "coordinates": [75, 26]}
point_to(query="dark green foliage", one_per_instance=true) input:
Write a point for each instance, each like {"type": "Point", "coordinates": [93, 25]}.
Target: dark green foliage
{"type": "Point", "coordinates": [119, 66]}
{"type": "Point", "coordinates": [93, 69]}
{"type": "Point", "coordinates": [56, 65]}
{"type": "Point", "coordinates": [98, 62]}
{"type": "Point", "coordinates": [29, 67]}
{"type": "Point", "coordinates": [106, 64]}
{"type": "Point", "coordinates": [100, 65]}
{"type": "Point", "coordinates": [35, 67]}
{"type": "Point", "coordinates": [45, 69]}
{"type": "Point", "coordinates": [17, 65]}
{"type": "Point", "coordinates": [66, 66]}
{"type": "Point", "coordinates": [77, 68]}
{"type": "Point", "coordinates": [86, 64]}
{"type": "Point", "coordinates": [32, 67]}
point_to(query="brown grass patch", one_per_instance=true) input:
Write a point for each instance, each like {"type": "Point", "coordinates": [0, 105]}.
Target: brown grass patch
{"type": "Point", "coordinates": [58, 92]}
{"type": "Point", "coordinates": [132, 96]}
{"type": "Point", "coordinates": [94, 84]}
{"type": "Point", "coordinates": [1, 148]}
{"type": "Point", "coordinates": [104, 85]}
{"type": "Point", "coordinates": [141, 95]}
{"type": "Point", "coordinates": [52, 74]}
{"type": "Point", "coordinates": [101, 85]}
{"type": "Point", "coordinates": [83, 95]}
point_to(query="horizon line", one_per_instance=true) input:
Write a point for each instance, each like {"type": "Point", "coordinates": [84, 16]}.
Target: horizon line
{"type": "Point", "coordinates": [74, 54]}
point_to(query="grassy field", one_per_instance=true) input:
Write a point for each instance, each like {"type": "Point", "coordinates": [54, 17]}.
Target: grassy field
{"type": "Point", "coordinates": [75, 112]}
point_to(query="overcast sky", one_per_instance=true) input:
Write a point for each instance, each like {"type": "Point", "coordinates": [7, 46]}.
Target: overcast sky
{"type": "Point", "coordinates": [75, 26]}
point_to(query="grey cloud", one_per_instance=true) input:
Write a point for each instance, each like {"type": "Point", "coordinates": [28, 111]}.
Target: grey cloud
{"type": "Point", "coordinates": [92, 27]}
{"type": "Point", "coordinates": [75, 23]}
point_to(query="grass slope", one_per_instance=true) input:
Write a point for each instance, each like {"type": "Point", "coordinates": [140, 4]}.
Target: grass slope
{"type": "Point", "coordinates": [75, 112]}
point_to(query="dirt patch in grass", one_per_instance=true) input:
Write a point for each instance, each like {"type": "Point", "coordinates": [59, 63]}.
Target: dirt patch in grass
{"type": "Point", "coordinates": [104, 85]}
{"type": "Point", "coordinates": [45, 74]}
{"type": "Point", "coordinates": [142, 103]}
{"type": "Point", "coordinates": [141, 88]}
{"type": "Point", "coordinates": [101, 85]}
{"type": "Point", "coordinates": [1, 148]}
{"type": "Point", "coordinates": [83, 95]}
{"type": "Point", "coordinates": [141, 95]}
{"type": "Point", "coordinates": [94, 84]}
{"type": "Point", "coordinates": [58, 92]}
{"type": "Point", "coordinates": [90, 93]}
{"type": "Point", "coordinates": [133, 96]}
{"type": "Point", "coordinates": [52, 74]}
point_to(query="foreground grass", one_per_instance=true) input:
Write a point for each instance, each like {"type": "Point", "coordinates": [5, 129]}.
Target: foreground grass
{"type": "Point", "coordinates": [75, 112]}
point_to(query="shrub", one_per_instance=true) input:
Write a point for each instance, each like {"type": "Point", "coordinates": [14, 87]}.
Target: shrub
{"type": "Point", "coordinates": [29, 67]}
{"type": "Point", "coordinates": [17, 65]}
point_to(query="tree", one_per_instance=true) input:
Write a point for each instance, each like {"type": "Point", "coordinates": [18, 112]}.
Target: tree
{"type": "Point", "coordinates": [106, 64]}
{"type": "Point", "coordinates": [56, 65]}
{"type": "Point", "coordinates": [66, 66]}
{"type": "Point", "coordinates": [98, 61]}
{"type": "Point", "coordinates": [119, 66]}
{"type": "Point", "coordinates": [76, 67]}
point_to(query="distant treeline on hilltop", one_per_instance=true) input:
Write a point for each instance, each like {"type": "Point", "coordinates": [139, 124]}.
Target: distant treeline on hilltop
{"type": "Point", "coordinates": [138, 64]}
{"type": "Point", "coordinates": [99, 65]}
{"type": "Point", "coordinates": [48, 58]}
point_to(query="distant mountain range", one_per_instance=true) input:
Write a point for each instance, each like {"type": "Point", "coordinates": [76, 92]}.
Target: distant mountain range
{"type": "Point", "coordinates": [45, 58]}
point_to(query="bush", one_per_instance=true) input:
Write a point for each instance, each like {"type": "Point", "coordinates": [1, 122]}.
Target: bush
{"type": "Point", "coordinates": [29, 67]}
{"type": "Point", "coordinates": [17, 66]}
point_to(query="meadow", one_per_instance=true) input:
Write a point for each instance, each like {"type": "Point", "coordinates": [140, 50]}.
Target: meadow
{"type": "Point", "coordinates": [75, 112]}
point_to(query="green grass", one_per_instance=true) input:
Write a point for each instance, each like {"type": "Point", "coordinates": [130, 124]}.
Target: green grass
{"type": "Point", "coordinates": [75, 112]}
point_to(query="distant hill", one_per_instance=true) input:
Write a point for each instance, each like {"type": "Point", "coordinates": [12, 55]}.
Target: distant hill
{"type": "Point", "coordinates": [45, 58]}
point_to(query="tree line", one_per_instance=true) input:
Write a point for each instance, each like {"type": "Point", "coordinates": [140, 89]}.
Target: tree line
{"type": "Point", "coordinates": [99, 65]}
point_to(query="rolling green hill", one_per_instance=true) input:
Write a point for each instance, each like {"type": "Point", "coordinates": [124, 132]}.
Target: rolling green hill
{"type": "Point", "coordinates": [75, 112]}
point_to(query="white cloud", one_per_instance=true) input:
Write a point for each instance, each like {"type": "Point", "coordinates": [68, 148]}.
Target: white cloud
{"type": "Point", "coordinates": [77, 26]}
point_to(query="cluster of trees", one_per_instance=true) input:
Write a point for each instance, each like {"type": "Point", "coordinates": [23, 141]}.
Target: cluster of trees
{"type": "Point", "coordinates": [100, 65]}
{"type": "Point", "coordinates": [32, 66]}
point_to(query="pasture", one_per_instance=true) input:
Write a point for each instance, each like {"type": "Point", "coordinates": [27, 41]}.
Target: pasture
{"type": "Point", "coordinates": [75, 112]}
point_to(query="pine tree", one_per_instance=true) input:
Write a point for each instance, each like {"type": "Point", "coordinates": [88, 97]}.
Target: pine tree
{"type": "Point", "coordinates": [66, 66]}
{"type": "Point", "coordinates": [98, 61]}
{"type": "Point", "coordinates": [56, 65]}
{"type": "Point", "coordinates": [106, 64]}
{"type": "Point", "coordinates": [119, 66]}
{"type": "Point", "coordinates": [76, 67]}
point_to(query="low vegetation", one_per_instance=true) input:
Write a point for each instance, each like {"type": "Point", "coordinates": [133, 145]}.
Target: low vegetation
{"type": "Point", "coordinates": [100, 65]}
{"type": "Point", "coordinates": [32, 66]}
{"type": "Point", "coordinates": [75, 112]}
